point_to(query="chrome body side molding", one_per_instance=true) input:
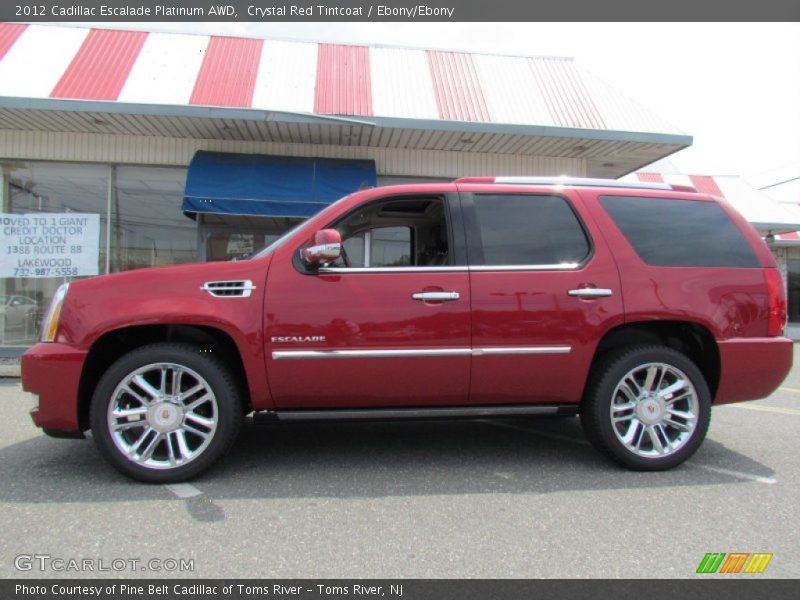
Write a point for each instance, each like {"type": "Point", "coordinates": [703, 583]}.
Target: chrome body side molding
{"type": "Point", "coordinates": [502, 350]}
{"type": "Point", "coordinates": [416, 352]}
{"type": "Point", "coordinates": [335, 354]}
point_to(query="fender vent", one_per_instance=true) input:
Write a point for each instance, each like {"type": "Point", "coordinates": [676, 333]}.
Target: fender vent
{"type": "Point", "coordinates": [229, 289]}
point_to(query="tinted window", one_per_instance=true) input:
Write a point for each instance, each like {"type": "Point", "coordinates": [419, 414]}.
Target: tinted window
{"type": "Point", "coordinates": [354, 247]}
{"type": "Point", "coordinates": [390, 247]}
{"type": "Point", "coordinates": [529, 230]}
{"type": "Point", "coordinates": [687, 233]}
{"type": "Point", "coordinates": [395, 233]}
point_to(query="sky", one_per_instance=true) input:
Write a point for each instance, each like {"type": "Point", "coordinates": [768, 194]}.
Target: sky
{"type": "Point", "coordinates": [735, 87]}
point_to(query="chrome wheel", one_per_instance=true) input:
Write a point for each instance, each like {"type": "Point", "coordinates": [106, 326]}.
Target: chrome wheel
{"type": "Point", "coordinates": [654, 410]}
{"type": "Point", "coordinates": [162, 415]}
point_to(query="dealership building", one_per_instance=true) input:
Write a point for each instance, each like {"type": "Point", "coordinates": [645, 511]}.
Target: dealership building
{"type": "Point", "coordinates": [128, 149]}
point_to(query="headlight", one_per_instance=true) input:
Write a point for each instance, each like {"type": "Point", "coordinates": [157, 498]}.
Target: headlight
{"type": "Point", "coordinates": [50, 323]}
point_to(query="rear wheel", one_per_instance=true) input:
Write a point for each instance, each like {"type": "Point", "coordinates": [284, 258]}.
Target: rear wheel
{"type": "Point", "coordinates": [165, 412]}
{"type": "Point", "coordinates": [647, 407]}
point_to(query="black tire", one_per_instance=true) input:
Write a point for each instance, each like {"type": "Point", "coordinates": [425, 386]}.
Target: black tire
{"type": "Point", "coordinates": [596, 408]}
{"type": "Point", "coordinates": [228, 413]}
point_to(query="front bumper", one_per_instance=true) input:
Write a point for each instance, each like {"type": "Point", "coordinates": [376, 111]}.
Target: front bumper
{"type": "Point", "coordinates": [752, 368]}
{"type": "Point", "coordinates": [52, 371]}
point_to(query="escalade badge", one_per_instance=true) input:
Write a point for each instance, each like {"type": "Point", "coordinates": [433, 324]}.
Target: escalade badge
{"type": "Point", "coordinates": [297, 338]}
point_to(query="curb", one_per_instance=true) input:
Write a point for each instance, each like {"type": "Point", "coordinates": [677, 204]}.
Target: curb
{"type": "Point", "coordinates": [9, 370]}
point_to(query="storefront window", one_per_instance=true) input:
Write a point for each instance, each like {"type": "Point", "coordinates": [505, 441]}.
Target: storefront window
{"type": "Point", "coordinates": [148, 228]}
{"type": "Point", "coordinates": [54, 229]}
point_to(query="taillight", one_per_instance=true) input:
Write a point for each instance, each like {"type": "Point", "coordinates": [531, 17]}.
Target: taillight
{"type": "Point", "coordinates": [777, 302]}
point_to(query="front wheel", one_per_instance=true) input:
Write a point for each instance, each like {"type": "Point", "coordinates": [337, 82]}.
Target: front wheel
{"type": "Point", "coordinates": [647, 407]}
{"type": "Point", "coordinates": [165, 412]}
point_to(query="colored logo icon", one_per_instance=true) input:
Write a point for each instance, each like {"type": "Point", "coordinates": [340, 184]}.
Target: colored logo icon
{"type": "Point", "coordinates": [734, 562]}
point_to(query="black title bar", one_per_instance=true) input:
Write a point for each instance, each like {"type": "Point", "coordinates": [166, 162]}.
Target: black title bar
{"type": "Point", "coordinates": [753, 588]}
{"type": "Point", "coordinates": [398, 10]}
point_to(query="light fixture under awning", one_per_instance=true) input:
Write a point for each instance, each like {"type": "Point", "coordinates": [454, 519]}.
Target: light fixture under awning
{"type": "Point", "coordinates": [275, 186]}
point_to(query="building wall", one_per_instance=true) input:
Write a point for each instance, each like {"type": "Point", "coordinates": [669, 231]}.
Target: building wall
{"type": "Point", "coordinates": [124, 149]}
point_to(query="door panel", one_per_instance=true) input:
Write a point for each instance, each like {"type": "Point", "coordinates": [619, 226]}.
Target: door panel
{"type": "Point", "coordinates": [533, 340]}
{"type": "Point", "coordinates": [548, 337]}
{"type": "Point", "coordinates": [389, 326]}
{"type": "Point", "coordinates": [381, 347]}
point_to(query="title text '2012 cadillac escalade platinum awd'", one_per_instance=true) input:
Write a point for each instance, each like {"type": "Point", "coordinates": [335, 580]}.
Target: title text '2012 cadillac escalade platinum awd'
{"type": "Point", "coordinates": [636, 306]}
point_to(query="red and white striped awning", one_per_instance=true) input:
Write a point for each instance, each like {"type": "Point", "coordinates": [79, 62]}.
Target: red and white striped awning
{"type": "Point", "coordinates": [110, 81]}
{"type": "Point", "coordinates": [175, 69]}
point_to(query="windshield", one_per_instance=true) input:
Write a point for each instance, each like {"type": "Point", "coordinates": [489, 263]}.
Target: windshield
{"type": "Point", "coordinates": [282, 240]}
{"type": "Point", "coordinates": [279, 242]}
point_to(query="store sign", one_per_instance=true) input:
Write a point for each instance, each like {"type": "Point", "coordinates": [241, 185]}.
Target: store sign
{"type": "Point", "coordinates": [49, 244]}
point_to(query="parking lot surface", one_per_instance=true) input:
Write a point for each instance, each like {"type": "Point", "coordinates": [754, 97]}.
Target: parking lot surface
{"type": "Point", "coordinates": [507, 498]}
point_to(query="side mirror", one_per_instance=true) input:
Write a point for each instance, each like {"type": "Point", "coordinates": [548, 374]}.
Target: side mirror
{"type": "Point", "coordinates": [324, 249]}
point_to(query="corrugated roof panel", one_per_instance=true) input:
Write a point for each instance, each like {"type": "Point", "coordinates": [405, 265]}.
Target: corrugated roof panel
{"type": "Point", "coordinates": [166, 69]}
{"type": "Point", "coordinates": [459, 96]}
{"type": "Point", "coordinates": [706, 185]}
{"type": "Point", "coordinates": [286, 77]}
{"type": "Point", "coordinates": [306, 77]}
{"type": "Point", "coordinates": [343, 81]}
{"type": "Point", "coordinates": [565, 95]}
{"type": "Point", "coordinates": [28, 71]}
{"type": "Point", "coordinates": [511, 92]}
{"type": "Point", "coordinates": [9, 32]}
{"type": "Point", "coordinates": [100, 68]}
{"type": "Point", "coordinates": [620, 112]}
{"type": "Point", "coordinates": [401, 84]}
{"type": "Point", "coordinates": [228, 74]}
{"type": "Point", "coordinates": [650, 177]}
{"type": "Point", "coordinates": [766, 214]}
{"type": "Point", "coordinates": [575, 90]}
{"type": "Point", "coordinates": [678, 179]}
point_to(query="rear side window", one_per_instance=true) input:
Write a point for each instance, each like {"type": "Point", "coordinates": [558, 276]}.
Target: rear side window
{"type": "Point", "coordinates": [529, 230]}
{"type": "Point", "coordinates": [680, 233]}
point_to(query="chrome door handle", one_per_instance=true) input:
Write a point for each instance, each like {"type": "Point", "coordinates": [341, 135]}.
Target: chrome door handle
{"type": "Point", "coordinates": [436, 296]}
{"type": "Point", "coordinates": [591, 292]}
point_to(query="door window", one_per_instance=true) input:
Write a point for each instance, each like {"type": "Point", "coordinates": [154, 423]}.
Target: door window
{"type": "Point", "coordinates": [395, 233]}
{"type": "Point", "coordinates": [680, 233]}
{"type": "Point", "coordinates": [527, 230]}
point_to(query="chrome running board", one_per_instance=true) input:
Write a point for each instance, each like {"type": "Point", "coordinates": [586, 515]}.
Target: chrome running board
{"type": "Point", "coordinates": [417, 413]}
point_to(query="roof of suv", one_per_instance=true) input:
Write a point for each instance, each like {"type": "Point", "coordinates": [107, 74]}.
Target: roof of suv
{"type": "Point", "coordinates": [578, 181]}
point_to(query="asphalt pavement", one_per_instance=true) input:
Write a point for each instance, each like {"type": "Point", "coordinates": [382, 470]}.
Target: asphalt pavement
{"type": "Point", "coordinates": [508, 498]}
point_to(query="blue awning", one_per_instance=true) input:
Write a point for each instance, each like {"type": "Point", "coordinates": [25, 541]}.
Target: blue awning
{"type": "Point", "coordinates": [275, 186]}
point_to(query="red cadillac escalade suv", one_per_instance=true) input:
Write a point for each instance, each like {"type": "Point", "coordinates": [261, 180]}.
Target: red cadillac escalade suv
{"type": "Point", "coordinates": [636, 306]}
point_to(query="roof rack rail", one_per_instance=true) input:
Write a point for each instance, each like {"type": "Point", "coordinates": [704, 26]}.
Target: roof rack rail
{"type": "Point", "coordinates": [574, 181]}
